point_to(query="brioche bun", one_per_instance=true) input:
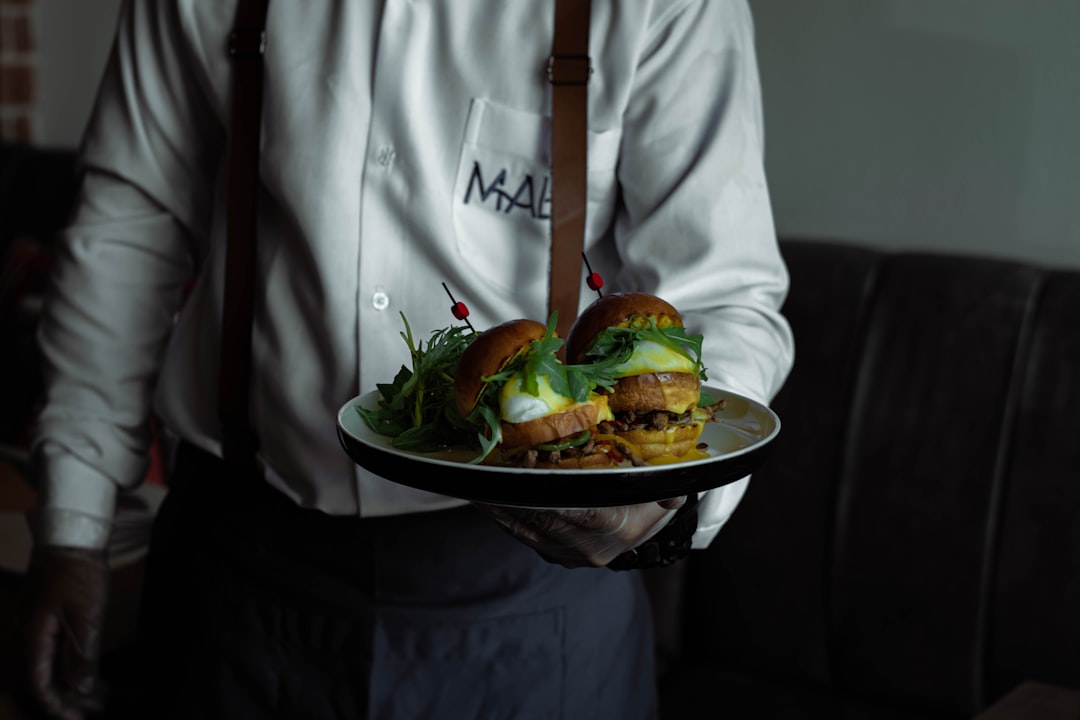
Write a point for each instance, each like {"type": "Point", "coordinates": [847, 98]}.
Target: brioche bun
{"type": "Point", "coordinates": [644, 392]}
{"type": "Point", "coordinates": [552, 427]}
{"type": "Point", "coordinates": [487, 355]}
{"type": "Point", "coordinates": [615, 310]}
{"type": "Point", "coordinates": [676, 392]}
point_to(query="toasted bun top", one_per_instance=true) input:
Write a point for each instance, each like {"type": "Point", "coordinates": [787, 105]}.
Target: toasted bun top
{"type": "Point", "coordinates": [487, 355]}
{"type": "Point", "coordinates": [612, 311]}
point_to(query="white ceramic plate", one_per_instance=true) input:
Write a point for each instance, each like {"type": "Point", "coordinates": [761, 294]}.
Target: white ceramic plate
{"type": "Point", "coordinates": [736, 446]}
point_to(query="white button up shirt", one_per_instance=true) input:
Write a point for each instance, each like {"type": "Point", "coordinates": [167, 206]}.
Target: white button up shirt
{"type": "Point", "coordinates": [404, 145]}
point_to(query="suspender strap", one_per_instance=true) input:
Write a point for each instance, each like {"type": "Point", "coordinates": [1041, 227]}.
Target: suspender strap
{"type": "Point", "coordinates": [568, 72]}
{"type": "Point", "coordinates": [247, 43]}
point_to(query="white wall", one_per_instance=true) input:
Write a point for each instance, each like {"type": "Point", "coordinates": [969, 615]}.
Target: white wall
{"type": "Point", "coordinates": [942, 124]}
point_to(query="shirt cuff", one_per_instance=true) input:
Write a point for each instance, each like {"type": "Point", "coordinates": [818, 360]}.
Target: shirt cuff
{"type": "Point", "coordinates": [77, 502]}
{"type": "Point", "coordinates": [716, 508]}
{"type": "Point", "coordinates": [67, 528]}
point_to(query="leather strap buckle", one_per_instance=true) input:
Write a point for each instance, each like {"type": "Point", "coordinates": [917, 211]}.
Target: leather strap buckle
{"type": "Point", "coordinates": [569, 69]}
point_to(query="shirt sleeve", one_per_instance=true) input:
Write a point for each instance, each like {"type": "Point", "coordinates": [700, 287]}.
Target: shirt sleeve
{"type": "Point", "coordinates": [119, 274]}
{"type": "Point", "coordinates": [695, 225]}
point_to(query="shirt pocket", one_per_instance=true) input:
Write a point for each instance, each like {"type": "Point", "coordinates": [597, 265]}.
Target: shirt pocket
{"type": "Point", "coordinates": [502, 195]}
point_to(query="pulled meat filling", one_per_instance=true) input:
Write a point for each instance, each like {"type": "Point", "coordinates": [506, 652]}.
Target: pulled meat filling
{"type": "Point", "coordinates": [655, 420]}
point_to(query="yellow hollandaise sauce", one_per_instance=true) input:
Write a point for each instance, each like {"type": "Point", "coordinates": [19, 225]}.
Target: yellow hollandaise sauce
{"type": "Point", "coordinates": [650, 357]}
{"type": "Point", "coordinates": [693, 454]}
{"type": "Point", "coordinates": [516, 405]}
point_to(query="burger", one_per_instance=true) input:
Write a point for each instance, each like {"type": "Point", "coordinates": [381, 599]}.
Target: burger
{"type": "Point", "coordinates": [656, 401]}
{"type": "Point", "coordinates": [532, 410]}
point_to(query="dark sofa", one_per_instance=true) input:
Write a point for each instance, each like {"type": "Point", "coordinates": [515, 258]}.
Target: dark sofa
{"type": "Point", "coordinates": [911, 548]}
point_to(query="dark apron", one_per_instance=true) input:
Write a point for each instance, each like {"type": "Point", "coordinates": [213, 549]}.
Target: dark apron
{"type": "Point", "coordinates": [255, 608]}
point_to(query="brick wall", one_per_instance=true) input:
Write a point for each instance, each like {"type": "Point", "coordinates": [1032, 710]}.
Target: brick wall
{"type": "Point", "coordinates": [18, 76]}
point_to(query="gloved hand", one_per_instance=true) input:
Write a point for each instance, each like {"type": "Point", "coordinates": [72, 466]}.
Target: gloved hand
{"type": "Point", "coordinates": [588, 537]}
{"type": "Point", "coordinates": [64, 599]}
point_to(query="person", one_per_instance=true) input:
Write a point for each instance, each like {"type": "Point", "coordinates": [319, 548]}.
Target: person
{"type": "Point", "coordinates": [403, 145]}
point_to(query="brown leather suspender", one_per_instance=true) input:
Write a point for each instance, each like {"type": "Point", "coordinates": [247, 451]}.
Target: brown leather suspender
{"type": "Point", "coordinates": [568, 72]}
{"type": "Point", "coordinates": [246, 46]}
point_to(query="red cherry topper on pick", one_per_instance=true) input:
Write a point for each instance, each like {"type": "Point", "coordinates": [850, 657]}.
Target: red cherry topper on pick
{"type": "Point", "coordinates": [458, 309]}
{"type": "Point", "coordinates": [594, 281]}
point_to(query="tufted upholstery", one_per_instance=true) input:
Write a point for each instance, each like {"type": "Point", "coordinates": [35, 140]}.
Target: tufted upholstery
{"type": "Point", "coordinates": [911, 549]}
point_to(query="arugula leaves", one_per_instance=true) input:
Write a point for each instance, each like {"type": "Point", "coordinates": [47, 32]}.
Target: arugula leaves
{"type": "Point", "coordinates": [572, 381]}
{"type": "Point", "coordinates": [614, 345]}
{"type": "Point", "coordinates": [417, 408]}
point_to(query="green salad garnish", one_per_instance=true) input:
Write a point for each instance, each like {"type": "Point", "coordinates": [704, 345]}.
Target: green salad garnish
{"type": "Point", "coordinates": [417, 408]}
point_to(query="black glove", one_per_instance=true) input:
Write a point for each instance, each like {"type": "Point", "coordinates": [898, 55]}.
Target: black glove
{"type": "Point", "coordinates": [64, 599]}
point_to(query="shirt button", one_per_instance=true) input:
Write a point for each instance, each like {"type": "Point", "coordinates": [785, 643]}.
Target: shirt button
{"type": "Point", "coordinates": [380, 300]}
